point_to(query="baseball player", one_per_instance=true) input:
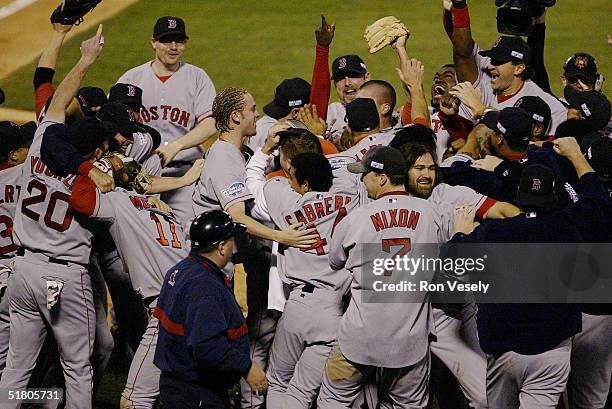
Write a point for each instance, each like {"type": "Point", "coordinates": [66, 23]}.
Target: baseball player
{"type": "Point", "coordinates": [502, 74]}
{"type": "Point", "coordinates": [56, 251]}
{"type": "Point", "coordinates": [397, 347]}
{"type": "Point", "coordinates": [177, 99]}
{"type": "Point", "coordinates": [149, 241]}
{"type": "Point", "coordinates": [299, 352]}
{"type": "Point", "coordinates": [14, 144]}
{"type": "Point", "coordinates": [222, 184]}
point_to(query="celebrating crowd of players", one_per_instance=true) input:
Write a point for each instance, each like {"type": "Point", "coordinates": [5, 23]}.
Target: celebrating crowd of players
{"type": "Point", "coordinates": [316, 185]}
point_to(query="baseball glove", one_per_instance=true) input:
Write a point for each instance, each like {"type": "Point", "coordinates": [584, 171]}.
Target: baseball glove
{"type": "Point", "coordinates": [71, 12]}
{"type": "Point", "coordinates": [383, 32]}
{"type": "Point", "coordinates": [126, 172]}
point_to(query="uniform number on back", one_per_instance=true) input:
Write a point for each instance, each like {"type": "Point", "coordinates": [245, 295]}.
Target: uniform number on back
{"type": "Point", "coordinates": [7, 233]}
{"type": "Point", "coordinates": [404, 248]}
{"type": "Point", "coordinates": [54, 198]}
{"type": "Point", "coordinates": [176, 243]}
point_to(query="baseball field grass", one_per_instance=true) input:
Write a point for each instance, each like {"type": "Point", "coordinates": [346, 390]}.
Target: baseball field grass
{"type": "Point", "coordinates": [258, 43]}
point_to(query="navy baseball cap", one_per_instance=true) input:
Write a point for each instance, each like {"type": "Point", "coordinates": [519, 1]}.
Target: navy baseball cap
{"type": "Point", "coordinates": [121, 117]}
{"type": "Point", "coordinates": [594, 105]}
{"type": "Point", "coordinates": [598, 151]}
{"type": "Point", "coordinates": [13, 137]}
{"type": "Point", "coordinates": [91, 97]}
{"type": "Point", "coordinates": [169, 25]}
{"type": "Point", "coordinates": [537, 108]}
{"type": "Point", "coordinates": [537, 187]}
{"type": "Point", "coordinates": [508, 49]}
{"type": "Point", "coordinates": [290, 93]}
{"type": "Point", "coordinates": [514, 124]}
{"type": "Point", "coordinates": [89, 133]}
{"type": "Point", "coordinates": [127, 94]}
{"type": "Point", "coordinates": [581, 66]}
{"type": "Point", "coordinates": [362, 115]}
{"type": "Point", "coordinates": [380, 159]}
{"type": "Point", "coordinates": [348, 66]}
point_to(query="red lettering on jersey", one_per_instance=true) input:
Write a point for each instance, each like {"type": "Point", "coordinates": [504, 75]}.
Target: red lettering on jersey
{"type": "Point", "coordinates": [310, 214]}
{"type": "Point", "coordinates": [174, 115]}
{"type": "Point", "coordinates": [377, 221]}
{"type": "Point", "coordinates": [337, 202]}
{"type": "Point", "coordinates": [288, 220]}
{"type": "Point", "coordinates": [300, 217]}
{"type": "Point", "coordinates": [154, 114]}
{"type": "Point", "coordinates": [393, 215]}
{"type": "Point", "coordinates": [414, 220]}
{"type": "Point", "coordinates": [184, 119]}
{"type": "Point", "coordinates": [9, 194]}
{"type": "Point", "coordinates": [144, 114]}
{"type": "Point", "coordinates": [436, 124]}
{"type": "Point", "coordinates": [319, 209]}
{"type": "Point", "coordinates": [403, 217]}
{"type": "Point", "coordinates": [48, 172]}
{"type": "Point", "coordinates": [347, 200]}
{"type": "Point", "coordinates": [69, 181]}
{"type": "Point", "coordinates": [40, 166]}
{"type": "Point", "coordinates": [328, 208]}
{"type": "Point", "coordinates": [165, 108]}
{"type": "Point", "coordinates": [140, 202]}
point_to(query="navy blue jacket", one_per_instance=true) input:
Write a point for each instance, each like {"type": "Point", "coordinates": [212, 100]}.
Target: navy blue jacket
{"type": "Point", "coordinates": [536, 328]}
{"type": "Point", "coordinates": [203, 335]}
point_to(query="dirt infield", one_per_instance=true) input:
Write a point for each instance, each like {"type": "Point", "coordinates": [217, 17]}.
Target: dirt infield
{"type": "Point", "coordinates": [25, 33]}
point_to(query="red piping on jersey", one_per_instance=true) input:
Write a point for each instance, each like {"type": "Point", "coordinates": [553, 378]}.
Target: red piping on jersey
{"type": "Point", "coordinates": [484, 208]}
{"type": "Point", "coordinates": [172, 327]}
{"type": "Point", "coordinates": [242, 330]}
{"type": "Point", "coordinates": [503, 98]}
{"type": "Point", "coordinates": [394, 193]}
{"type": "Point", "coordinates": [163, 78]}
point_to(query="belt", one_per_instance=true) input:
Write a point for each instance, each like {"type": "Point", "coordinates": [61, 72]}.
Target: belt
{"type": "Point", "coordinates": [179, 163]}
{"type": "Point", "coordinates": [309, 288]}
{"type": "Point", "coordinates": [21, 252]}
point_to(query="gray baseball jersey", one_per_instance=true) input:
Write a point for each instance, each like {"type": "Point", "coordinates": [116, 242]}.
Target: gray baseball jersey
{"type": "Point", "coordinates": [323, 210]}
{"type": "Point", "coordinates": [44, 222]}
{"type": "Point", "coordinates": [382, 138]}
{"type": "Point", "coordinates": [10, 186]}
{"type": "Point", "coordinates": [447, 198]}
{"type": "Point", "coordinates": [223, 179]}
{"type": "Point", "coordinates": [384, 334]}
{"type": "Point", "coordinates": [558, 111]}
{"type": "Point", "coordinates": [175, 106]}
{"type": "Point", "coordinates": [141, 150]}
{"type": "Point", "coordinates": [148, 240]}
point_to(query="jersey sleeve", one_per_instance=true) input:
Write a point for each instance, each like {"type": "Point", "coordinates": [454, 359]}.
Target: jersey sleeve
{"type": "Point", "coordinates": [462, 195]}
{"type": "Point", "coordinates": [256, 181]}
{"type": "Point", "coordinates": [321, 83]}
{"type": "Point", "coordinates": [340, 243]}
{"type": "Point", "coordinates": [279, 196]}
{"type": "Point", "coordinates": [230, 186]}
{"type": "Point", "coordinates": [204, 99]}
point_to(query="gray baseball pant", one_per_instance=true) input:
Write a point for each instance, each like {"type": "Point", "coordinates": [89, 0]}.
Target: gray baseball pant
{"type": "Point", "coordinates": [303, 341]}
{"type": "Point", "coordinates": [262, 327]}
{"type": "Point", "coordinates": [142, 386]}
{"type": "Point", "coordinates": [528, 381]}
{"type": "Point", "coordinates": [405, 388]}
{"type": "Point", "coordinates": [72, 321]}
{"type": "Point", "coordinates": [589, 383]}
{"type": "Point", "coordinates": [457, 346]}
{"type": "Point", "coordinates": [4, 315]}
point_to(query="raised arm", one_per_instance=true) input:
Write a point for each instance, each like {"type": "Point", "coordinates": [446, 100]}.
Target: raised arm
{"type": "Point", "coordinates": [195, 137]}
{"type": "Point", "coordinates": [321, 83]}
{"type": "Point", "coordinates": [463, 43]}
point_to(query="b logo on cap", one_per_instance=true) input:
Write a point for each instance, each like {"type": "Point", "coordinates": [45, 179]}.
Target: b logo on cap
{"type": "Point", "coordinates": [581, 62]}
{"type": "Point", "coordinates": [131, 91]}
{"type": "Point", "coordinates": [536, 185]}
{"type": "Point", "coordinates": [171, 23]}
{"type": "Point", "coordinates": [342, 63]}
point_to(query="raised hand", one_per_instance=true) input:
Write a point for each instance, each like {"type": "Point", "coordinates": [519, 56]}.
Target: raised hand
{"type": "Point", "coordinates": [325, 33]}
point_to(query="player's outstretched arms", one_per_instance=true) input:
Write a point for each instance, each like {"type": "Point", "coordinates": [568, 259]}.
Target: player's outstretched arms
{"type": "Point", "coordinates": [289, 236]}
{"type": "Point", "coordinates": [463, 43]}
{"type": "Point", "coordinates": [160, 184]}
{"type": "Point", "coordinates": [196, 136]}
{"type": "Point", "coordinates": [67, 89]}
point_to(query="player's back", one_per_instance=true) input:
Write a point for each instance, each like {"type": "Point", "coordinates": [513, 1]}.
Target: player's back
{"type": "Point", "coordinates": [10, 187]}
{"type": "Point", "coordinates": [322, 210]}
{"type": "Point", "coordinates": [148, 240]}
{"type": "Point", "coordinates": [386, 328]}
{"type": "Point", "coordinates": [44, 222]}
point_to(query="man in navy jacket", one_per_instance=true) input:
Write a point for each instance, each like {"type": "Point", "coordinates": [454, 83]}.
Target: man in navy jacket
{"type": "Point", "coordinates": [203, 345]}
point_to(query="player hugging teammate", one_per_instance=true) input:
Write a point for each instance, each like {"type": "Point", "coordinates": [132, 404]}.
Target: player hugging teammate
{"type": "Point", "coordinates": [117, 192]}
